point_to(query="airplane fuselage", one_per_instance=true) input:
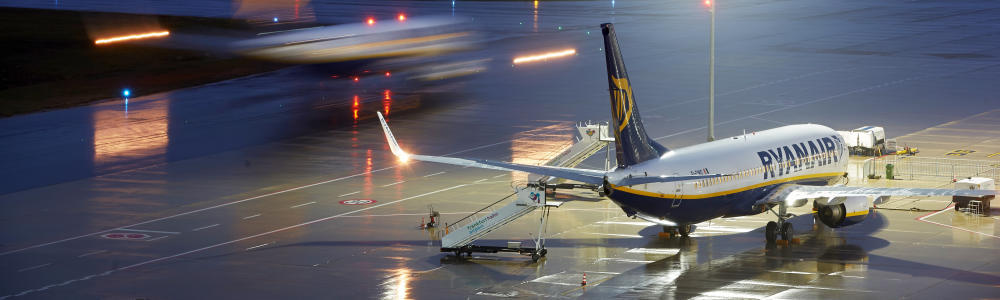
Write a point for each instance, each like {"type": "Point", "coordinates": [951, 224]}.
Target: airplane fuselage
{"type": "Point", "coordinates": [757, 163]}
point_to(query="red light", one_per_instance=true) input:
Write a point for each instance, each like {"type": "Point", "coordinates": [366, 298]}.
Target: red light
{"type": "Point", "coordinates": [401, 17]}
{"type": "Point", "coordinates": [708, 3]}
{"type": "Point", "coordinates": [371, 21]}
{"type": "Point", "coordinates": [356, 103]}
{"type": "Point", "coordinates": [355, 114]}
{"type": "Point", "coordinates": [387, 102]}
{"type": "Point", "coordinates": [356, 78]}
{"type": "Point", "coordinates": [387, 74]}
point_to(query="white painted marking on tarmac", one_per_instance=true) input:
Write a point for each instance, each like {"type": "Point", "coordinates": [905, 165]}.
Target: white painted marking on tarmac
{"type": "Point", "coordinates": [258, 246]}
{"type": "Point", "coordinates": [623, 260]}
{"type": "Point", "coordinates": [195, 211]}
{"type": "Point", "coordinates": [92, 253]}
{"type": "Point", "coordinates": [206, 227]}
{"type": "Point", "coordinates": [153, 239]}
{"type": "Point", "coordinates": [766, 283]}
{"type": "Point", "coordinates": [639, 223]}
{"type": "Point", "coordinates": [481, 180]}
{"type": "Point", "coordinates": [152, 231]}
{"type": "Point", "coordinates": [766, 120]}
{"type": "Point", "coordinates": [428, 271]}
{"type": "Point", "coordinates": [234, 202]}
{"type": "Point", "coordinates": [303, 204]}
{"type": "Point", "coordinates": [394, 183]}
{"type": "Point", "coordinates": [601, 272]}
{"type": "Point", "coordinates": [616, 234]}
{"type": "Point", "coordinates": [796, 272]}
{"type": "Point", "coordinates": [499, 175]}
{"type": "Point", "coordinates": [251, 217]}
{"type": "Point", "coordinates": [348, 194]}
{"type": "Point", "coordinates": [950, 226]}
{"type": "Point", "coordinates": [227, 243]}
{"type": "Point", "coordinates": [660, 251]}
{"type": "Point", "coordinates": [34, 267]}
{"type": "Point", "coordinates": [435, 174]}
{"type": "Point", "coordinates": [412, 214]}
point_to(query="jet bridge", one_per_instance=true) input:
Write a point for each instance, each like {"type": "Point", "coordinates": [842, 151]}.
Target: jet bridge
{"type": "Point", "coordinates": [461, 235]}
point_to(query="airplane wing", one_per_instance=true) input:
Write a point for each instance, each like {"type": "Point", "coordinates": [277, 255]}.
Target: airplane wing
{"type": "Point", "coordinates": [798, 195]}
{"type": "Point", "coordinates": [582, 175]}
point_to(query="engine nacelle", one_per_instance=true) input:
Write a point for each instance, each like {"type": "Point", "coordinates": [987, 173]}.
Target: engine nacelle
{"type": "Point", "coordinates": [842, 211]}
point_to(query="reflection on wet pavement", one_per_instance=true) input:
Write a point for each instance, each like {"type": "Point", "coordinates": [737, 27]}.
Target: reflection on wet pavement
{"type": "Point", "coordinates": [121, 135]}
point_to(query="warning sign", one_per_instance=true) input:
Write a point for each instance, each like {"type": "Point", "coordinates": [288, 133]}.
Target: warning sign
{"type": "Point", "coordinates": [125, 236]}
{"type": "Point", "coordinates": [357, 202]}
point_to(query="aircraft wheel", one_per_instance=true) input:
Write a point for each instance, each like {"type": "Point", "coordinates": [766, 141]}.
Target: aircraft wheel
{"type": "Point", "coordinates": [787, 231]}
{"type": "Point", "coordinates": [684, 230]}
{"type": "Point", "coordinates": [544, 251]}
{"type": "Point", "coordinates": [771, 232]}
{"type": "Point", "coordinates": [535, 257]}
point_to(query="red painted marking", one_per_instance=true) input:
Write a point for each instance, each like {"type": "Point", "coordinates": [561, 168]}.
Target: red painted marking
{"type": "Point", "coordinates": [358, 202]}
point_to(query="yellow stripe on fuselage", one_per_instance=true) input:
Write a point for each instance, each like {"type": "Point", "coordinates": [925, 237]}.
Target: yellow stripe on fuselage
{"type": "Point", "coordinates": [722, 193]}
{"type": "Point", "coordinates": [855, 214]}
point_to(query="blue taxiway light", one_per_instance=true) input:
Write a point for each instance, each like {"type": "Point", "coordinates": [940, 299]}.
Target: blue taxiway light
{"type": "Point", "coordinates": [126, 92]}
{"type": "Point", "coordinates": [275, 19]}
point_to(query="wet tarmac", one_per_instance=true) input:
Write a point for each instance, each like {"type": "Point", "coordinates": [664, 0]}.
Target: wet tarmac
{"type": "Point", "coordinates": [242, 189]}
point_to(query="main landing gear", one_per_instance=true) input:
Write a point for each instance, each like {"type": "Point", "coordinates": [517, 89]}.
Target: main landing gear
{"type": "Point", "coordinates": [682, 230]}
{"type": "Point", "coordinates": [781, 227]}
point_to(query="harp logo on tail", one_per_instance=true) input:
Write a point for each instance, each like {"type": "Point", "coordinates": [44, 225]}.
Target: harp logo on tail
{"type": "Point", "coordinates": [623, 102]}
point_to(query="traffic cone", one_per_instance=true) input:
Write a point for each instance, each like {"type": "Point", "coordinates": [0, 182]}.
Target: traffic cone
{"type": "Point", "coordinates": [422, 224]}
{"type": "Point", "coordinates": [584, 282]}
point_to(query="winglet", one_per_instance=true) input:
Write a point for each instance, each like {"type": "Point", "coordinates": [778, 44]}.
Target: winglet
{"type": "Point", "coordinates": [393, 145]}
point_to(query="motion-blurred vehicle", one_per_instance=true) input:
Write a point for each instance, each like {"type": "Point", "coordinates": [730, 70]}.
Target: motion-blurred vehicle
{"type": "Point", "coordinates": [416, 37]}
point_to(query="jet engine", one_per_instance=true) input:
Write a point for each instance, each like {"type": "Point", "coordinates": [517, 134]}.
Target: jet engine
{"type": "Point", "coordinates": [842, 211]}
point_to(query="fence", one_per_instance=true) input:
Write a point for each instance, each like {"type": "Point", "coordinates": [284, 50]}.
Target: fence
{"type": "Point", "coordinates": [913, 167]}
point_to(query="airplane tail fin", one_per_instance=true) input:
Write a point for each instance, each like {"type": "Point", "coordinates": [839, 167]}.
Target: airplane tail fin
{"type": "Point", "coordinates": [632, 145]}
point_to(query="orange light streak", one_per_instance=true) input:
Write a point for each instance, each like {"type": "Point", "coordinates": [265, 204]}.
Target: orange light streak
{"type": "Point", "coordinates": [371, 21]}
{"type": "Point", "coordinates": [387, 102]}
{"type": "Point", "coordinates": [401, 17]}
{"type": "Point", "coordinates": [132, 37]}
{"type": "Point", "coordinates": [545, 56]}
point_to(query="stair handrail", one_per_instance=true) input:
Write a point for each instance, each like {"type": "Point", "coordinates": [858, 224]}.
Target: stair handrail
{"type": "Point", "coordinates": [454, 224]}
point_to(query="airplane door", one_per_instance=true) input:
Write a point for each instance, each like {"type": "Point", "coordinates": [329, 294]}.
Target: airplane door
{"type": "Point", "coordinates": [678, 192]}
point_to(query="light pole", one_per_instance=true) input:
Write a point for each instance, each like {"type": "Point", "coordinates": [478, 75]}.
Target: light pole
{"type": "Point", "coordinates": [711, 74]}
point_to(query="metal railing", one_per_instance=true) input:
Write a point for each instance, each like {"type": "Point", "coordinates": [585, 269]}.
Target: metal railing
{"type": "Point", "coordinates": [462, 221]}
{"type": "Point", "coordinates": [913, 167]}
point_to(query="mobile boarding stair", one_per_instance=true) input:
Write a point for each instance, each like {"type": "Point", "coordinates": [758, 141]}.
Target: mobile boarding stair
{"type": "Point", "coordinates": [461, 235]}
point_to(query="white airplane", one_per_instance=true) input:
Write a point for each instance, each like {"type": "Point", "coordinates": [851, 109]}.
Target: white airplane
{"type": "Point", "coordinates": [738, 176]}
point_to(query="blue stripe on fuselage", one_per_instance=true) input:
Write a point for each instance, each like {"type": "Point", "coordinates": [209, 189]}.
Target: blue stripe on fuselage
{"type": "Point", "coordinates": [692, 211]}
